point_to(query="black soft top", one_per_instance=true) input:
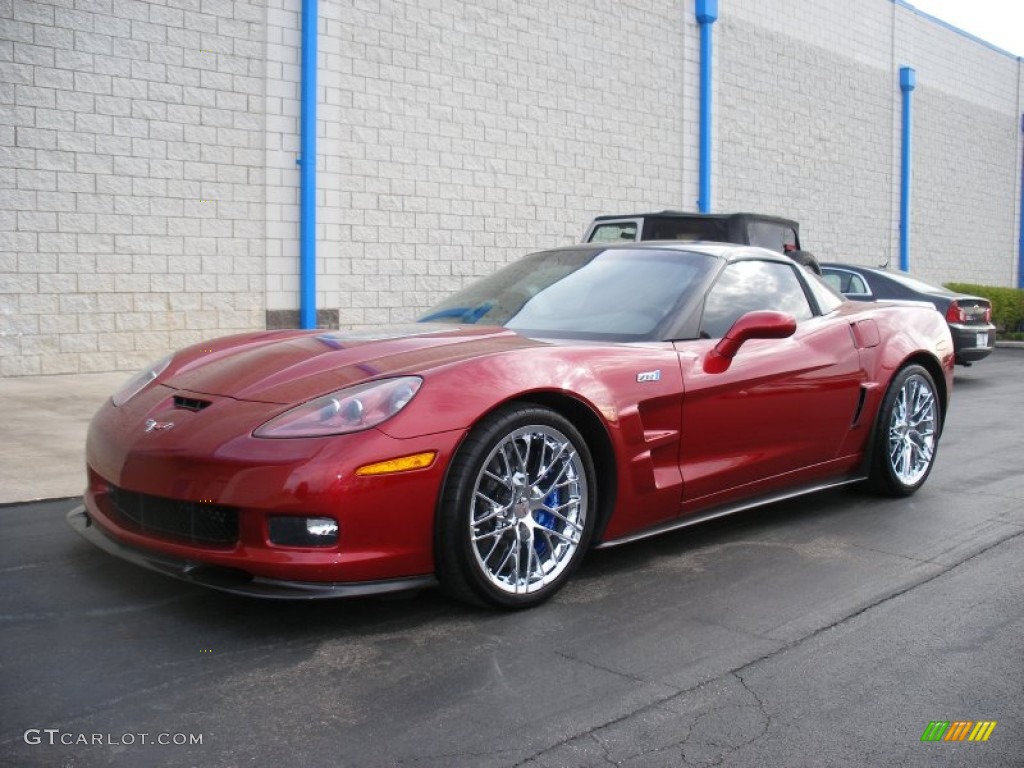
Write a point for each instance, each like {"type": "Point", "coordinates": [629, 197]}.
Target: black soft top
{"type": "Point", "coordinates": [741, 219]}
{"type": "Point", "coordinates": [773, 232]}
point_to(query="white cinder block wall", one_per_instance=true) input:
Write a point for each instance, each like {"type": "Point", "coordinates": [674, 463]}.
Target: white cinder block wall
{"type": "Point", "coordinates": [457, 135]}
{"type": "Point", "coordinates": [967, 167]}
{"type": "Point", "coordinates": [131, 179]}
{"type": "Point", "coordinates": [149, 191]}
{"type": "Point", "coordinates": [805, 121]}
{"type": "Point", "coordinates": [809, 121]}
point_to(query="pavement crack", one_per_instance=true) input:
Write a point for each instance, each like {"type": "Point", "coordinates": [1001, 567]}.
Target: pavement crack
{"type": "Point", "coordinates": [608, 724]}
{"type": "Point", "coordinates": [605, 753]}
{"type": "Point", "coordinates": [761, 707]}
{"type": "Point", "coordinates": [448, 756]}
{"type": "Point", "coordinates": [609, 670]}
{"type": "Point", "coordinates": [899, 555]}
{"type": "Point", "coordinates": [724, 750]}
{"type": "Point", "coordinates": [737, 672]}
{"type": "Point", "coordinates": [880, 601]}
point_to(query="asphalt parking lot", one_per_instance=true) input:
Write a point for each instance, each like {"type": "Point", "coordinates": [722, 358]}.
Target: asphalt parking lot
{"type": "Point", "coordinates": [829, 631]}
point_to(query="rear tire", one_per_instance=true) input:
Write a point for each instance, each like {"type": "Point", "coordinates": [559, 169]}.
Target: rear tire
{"type": "Point", "coordinates": [907, 434]}
{"type": "Point", "coordinates": [518, 510]}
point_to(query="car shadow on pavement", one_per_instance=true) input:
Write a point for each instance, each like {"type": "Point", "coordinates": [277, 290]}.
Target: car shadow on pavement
{"type": "Point", "coordinates": [770, 521]}
{"type": "Point", "coordinates": [101, 575]}
{"type": "Point", "coordinates": [244, 624]}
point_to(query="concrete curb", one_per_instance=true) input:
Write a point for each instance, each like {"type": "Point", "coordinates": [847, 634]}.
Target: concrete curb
{"type": "Point", "coordinates": [28, 502]}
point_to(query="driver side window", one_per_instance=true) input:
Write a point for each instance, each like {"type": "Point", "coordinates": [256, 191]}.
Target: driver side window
{"type": "Point", "coordinates": [746, 286]}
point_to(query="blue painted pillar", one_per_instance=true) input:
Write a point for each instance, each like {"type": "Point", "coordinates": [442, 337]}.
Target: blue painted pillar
{"type": "Point", "coordinates": [307, 169]}
{"type": "Point", "coordinates": [707, 14]}
{"type": "Point", "coordinates": [908, 81]}
{"type": "Point", "coordinates": [1020, 225]}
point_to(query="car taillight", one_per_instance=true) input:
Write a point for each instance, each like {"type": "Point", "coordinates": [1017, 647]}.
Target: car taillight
{"type": "Point", "coordinates": [955, 313]}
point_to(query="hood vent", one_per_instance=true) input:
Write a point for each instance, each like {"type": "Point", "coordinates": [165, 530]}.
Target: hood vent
{"type": "Point", "coordinates": [190, 403]}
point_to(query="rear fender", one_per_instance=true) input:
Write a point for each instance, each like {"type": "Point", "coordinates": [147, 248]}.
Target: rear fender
{"type": "Point", "coordinates": [915, 334]}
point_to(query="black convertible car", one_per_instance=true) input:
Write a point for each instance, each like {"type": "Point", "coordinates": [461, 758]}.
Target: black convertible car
{"type": "Point", "coordinates": [969, 317]}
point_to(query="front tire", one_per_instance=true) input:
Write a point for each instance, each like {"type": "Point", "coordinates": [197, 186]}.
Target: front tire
{"type": "Point", "coordinates": [518, 510]}
{"type": "Point", "coordinates": [907, 435]}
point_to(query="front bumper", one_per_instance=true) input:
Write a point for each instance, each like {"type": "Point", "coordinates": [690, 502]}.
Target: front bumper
{"type": "Point", "coordinates": [234, 580]}
{"type": "Point", "coordinates": [209, 459]}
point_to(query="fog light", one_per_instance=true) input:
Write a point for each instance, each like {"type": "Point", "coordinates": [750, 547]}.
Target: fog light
{"type": "Point", "coordinates": [290, 531]}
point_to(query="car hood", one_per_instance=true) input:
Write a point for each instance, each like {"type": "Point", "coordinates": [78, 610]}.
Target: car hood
{"type": "Point", "coordinates": [297, 366]}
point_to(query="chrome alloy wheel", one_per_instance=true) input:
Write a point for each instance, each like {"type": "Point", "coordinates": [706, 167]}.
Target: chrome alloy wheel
{"type": "Point", "coordinates": [529, 509]}
{"type": "Point", "coordinates": [912, 430]}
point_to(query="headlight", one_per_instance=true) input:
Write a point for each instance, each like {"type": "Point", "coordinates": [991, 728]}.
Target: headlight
{"type": "Point", "coordinates": [347, 410]}
{"type": "Point", "coordinates": [139, 381]}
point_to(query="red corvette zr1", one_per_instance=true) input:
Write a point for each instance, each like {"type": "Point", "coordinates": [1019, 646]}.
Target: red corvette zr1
{"type": "Point", "coordinates": [581, 397]}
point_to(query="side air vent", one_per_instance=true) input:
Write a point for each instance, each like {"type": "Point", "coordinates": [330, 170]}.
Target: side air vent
{"type": "Point", "coordinates": [190, 403]}
{"type": "Point", "coordinates": [860, 406]}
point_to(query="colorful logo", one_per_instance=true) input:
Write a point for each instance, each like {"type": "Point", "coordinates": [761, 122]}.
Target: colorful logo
{"type": "Point", "coordinates": [958, 730]}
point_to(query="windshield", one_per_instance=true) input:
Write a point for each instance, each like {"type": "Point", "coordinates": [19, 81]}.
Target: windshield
{"type": "Point", "coordinates": [612, 295]}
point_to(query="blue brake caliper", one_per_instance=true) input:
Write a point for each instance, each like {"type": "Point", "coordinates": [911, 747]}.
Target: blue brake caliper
{"type": "Point", "coordinates": [548, 520]}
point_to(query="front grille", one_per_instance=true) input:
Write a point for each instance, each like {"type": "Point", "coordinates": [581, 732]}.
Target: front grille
{"type": "Point", "coordinates": [191, 521]}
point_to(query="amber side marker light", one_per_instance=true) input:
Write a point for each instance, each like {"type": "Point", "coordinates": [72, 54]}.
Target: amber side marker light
{"type": "Point", "coordinates": [401, 464]}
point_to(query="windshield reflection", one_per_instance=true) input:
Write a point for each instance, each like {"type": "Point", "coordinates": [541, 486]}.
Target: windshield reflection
{"type": "Point", "coordinates": [616, 294]}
